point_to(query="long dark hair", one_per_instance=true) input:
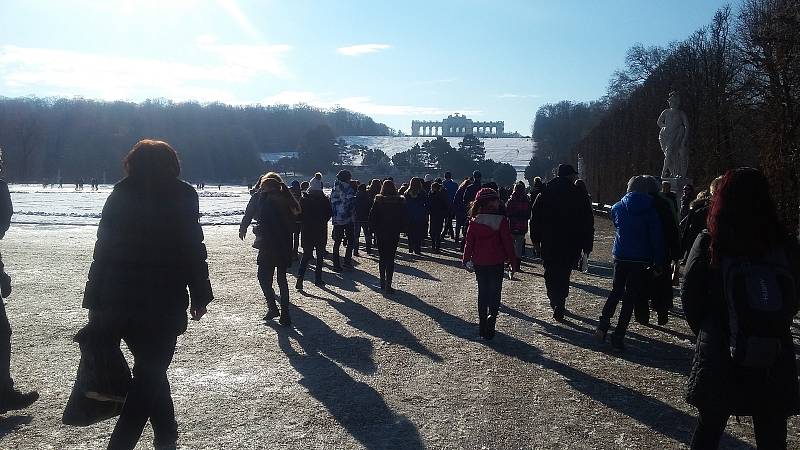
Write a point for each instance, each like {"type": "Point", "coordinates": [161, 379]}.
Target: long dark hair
{"type": "Point", "coordinates": [742, 220]}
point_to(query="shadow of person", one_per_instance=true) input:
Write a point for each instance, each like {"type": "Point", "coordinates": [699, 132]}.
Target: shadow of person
{"type": "Point", "coordinates": [641, 407]}
{"type": "Point", "coordinates": [11, 424]}
{"type": "Point", "coordinates": [414, 272]}
{"type": "Point", "coordinates": [359, 408]}
{"type": "Point", "coordinates": [390, 331]}
{"type": "Point", "coordinates": [590, 289]}
{"type": "Point", "coordinates": [600, 269]}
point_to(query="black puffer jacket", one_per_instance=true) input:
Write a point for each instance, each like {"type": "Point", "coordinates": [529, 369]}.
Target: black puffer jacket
{"type": "Point", "coordinates": [562, 221]}
{"type": "Point", "coordinates": [149, 249]}
{"type": "Point", "coordinates": [715, 382]}
{"type": "Point", "coordinates": [275, 213]}
{"type": "Point", "coordinates": [388, 217]}
{"type": "Point", "coordinates": [316, 212]}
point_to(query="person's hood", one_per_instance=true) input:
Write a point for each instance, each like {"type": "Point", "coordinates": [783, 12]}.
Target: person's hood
{"type": "Point", "coordinates": [637, 202]}
{"type": "Point", "coordinates": [492, 221]}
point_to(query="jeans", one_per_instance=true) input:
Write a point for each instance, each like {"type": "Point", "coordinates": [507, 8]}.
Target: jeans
{"type": "Point", "coordinates": [770, 431]}
{"type": "Point", "coordinates": [367, 235]}
{"type": "Point", "coordinates": [519, 246]}
{"type": "Point", "coordinates": [307, 254]}
{"type": "Point", "coordinates": [556, 280]}
{"type": "Point", "coordinates": [387, 249]}
{"type": "Point", "coordinates": [339, 232]}
{"type": "Point", "coordinates": [149, 394]}
{"type": "Point", "coordinates": [630, 282]}
{"type": "Point", "coordinates": [490, 287]}
{"type": "Point", "coordinates": [266, 273]}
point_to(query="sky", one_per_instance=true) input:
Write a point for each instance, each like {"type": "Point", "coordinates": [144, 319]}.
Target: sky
{"type": "Point", "coordinates": [394, 61]}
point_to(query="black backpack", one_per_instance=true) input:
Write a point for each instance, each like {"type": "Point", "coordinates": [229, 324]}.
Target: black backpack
{"type": "Point", "coordinates": [759, 295]}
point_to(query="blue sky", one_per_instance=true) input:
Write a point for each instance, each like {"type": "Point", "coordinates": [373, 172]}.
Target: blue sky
{"type": "Point", "coordinates": [395, 61]}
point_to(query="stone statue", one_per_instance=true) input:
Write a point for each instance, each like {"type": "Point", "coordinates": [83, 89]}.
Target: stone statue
{"type": "Point", "coordinates": [673, 137]}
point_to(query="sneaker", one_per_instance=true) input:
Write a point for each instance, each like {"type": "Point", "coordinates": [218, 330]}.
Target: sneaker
{"type": "Point", "coordinates": [271, 314]}
{"type": "Point", "coordinates": [617, 344]}
{"type": "Point", "coordinates": [600, 334]}
{"type": "Point", "coordinates": [5, 284]}
{"type": "Point", "coordinates": [14, 399]}
{"type": "Point", "coordinates": [558, 315]}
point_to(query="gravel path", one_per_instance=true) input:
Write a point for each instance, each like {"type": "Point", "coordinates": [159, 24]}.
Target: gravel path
{"type": "Point", "coordinates": [359, 370]}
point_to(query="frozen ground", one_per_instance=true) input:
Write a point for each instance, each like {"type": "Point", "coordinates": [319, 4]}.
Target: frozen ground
{"type": "Point", "coordinates": [358, 370]}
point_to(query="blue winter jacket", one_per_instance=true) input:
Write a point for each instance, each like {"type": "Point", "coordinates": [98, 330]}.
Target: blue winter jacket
{"type": "Point", "coordinates": [451, 187]}
{"type": "Point", "coordinates": [639, 237]}
{"type": "Point", "coordinates": [417, 207]}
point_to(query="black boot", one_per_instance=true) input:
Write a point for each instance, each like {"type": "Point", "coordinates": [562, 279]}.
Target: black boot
{"type": "Point", "coordinates": [299, 284]}
{"type": "Point", "coordinates": [318, 281]}
{"type": "Point", "coordinates": [490, 324]}
{"type": "Point", "coordinates": [13, 399]}
{"type": "Point", "coordinates": [482, 327]}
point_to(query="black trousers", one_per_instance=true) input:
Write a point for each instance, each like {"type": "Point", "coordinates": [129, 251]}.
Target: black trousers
{"type": "Point", "coordinates": [307, 255]}
{"type": "Point", "coordinates": [149, 394]}
{"type": "Point", "coordinates": [436, 226]}
{"type": "Point", "coordinates": [367, 235]}
{"type": "Point", "coordinates": [770, 431]}
{"type": "Point", "coordinates": [6, 382]}
{"type": "Point", "coordinates": [387, 250]}
{"type": "Point", "coordinates": [461, 226]}
{"type": "Point", "coordinates": [295, 242]}
{"type": "Point", "coordinates": [339, 233]}
{"type": "Point", "coordinates": [556, 280]}
{"type": "Point", "coordinates": [416, 233]}
{"type": "Point", "coordinates": [448, 225]}
{"type": "Point", "coordinates": [490, 287]}
{"type": "Point", "coordinates": [629, 285]}
{"type": "Point", "coordinates": [266, 273]}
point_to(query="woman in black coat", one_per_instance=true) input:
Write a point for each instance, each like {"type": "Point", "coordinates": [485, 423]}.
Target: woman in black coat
{"type": "Point", "coordinates": [149, 249]}
{"type": "Point", "coordinates": [743, 225]}
{"type": "Point", "coordinates": [316, 212]}
{"type": "Point", "coordinates": [275, 211]}
{"type": "Point", "coordinates": [387, 219]}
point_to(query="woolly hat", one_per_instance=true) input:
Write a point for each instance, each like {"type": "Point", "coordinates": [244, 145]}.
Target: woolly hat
{"type": "Point", "coordinates": [295, 184]}
{"type": "Point", "coordinates": [315, 184]}
{"type": "Point", "coordinates": [428, 177]}
{"type": "Point", "coordinates": [486, 194]}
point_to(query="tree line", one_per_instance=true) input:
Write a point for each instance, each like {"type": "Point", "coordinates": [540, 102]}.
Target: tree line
{"type": "Point", "coordinates": [739, 82]}
{"type": "Point", "coordinates": [44, 137]}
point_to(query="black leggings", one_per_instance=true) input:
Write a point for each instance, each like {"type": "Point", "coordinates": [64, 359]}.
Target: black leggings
{"type": "Point", "coordinates": [770, 431]}
{"type": "Point", "coordinates": [266, 273]}
{"type": "Point", "coordinates": [387, 249]}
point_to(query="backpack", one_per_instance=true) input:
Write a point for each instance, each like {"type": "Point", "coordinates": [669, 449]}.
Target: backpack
{"type": "Point", "coordinates": [759, 294]}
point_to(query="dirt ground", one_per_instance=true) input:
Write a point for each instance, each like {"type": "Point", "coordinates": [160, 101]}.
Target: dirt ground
{"type": "Point", "coordinates": [359, 370]}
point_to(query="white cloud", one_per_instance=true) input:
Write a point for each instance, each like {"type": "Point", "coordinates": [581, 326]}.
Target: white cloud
{"type": "Point", "coordinates": [519, 96]}
{"type": "Point", "coordinates": [47, 71]}
{"type": "Point", "coordinates": [360, 104]}
{"type": "Point", "coordinates": [361, 49]}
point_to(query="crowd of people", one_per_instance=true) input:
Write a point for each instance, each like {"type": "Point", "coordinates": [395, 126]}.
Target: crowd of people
{"type": "Point", "coordinates": [739, 295]}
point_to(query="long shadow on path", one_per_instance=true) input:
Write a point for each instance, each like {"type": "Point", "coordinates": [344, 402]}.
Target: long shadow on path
{"type": "Point", "coordinates": [651, 412]}
{"type": "Point", "coordinates": [10, 424]}
{"type": "Point", "coordinates": [359, 408]}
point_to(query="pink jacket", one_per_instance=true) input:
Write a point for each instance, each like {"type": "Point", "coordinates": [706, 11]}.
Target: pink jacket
{"type": "Point", "coordinates": [489, 241]}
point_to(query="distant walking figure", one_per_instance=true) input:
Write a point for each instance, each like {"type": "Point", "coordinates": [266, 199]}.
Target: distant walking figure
{"type": "Point", "coordinates": [343, 202]}
{"type": "Point", "coordinates": [314, 215]}
{"type": "Point", "coordinates": [417, 207]}
{"type": "Point", "coordinates": [149, 250]}
{"type": "Point", "coordinates": [562, 225]}
{"type": "Point", "coordinates": [387, 219]}
{"type": "Point", "coordinates": [10, 397]}
{"type": "Point", "coordinates": [487, 248]}
{"type": "Point", "coordinates": [744, 362]}
{"type": "Point", "coordinates": [275, 211]}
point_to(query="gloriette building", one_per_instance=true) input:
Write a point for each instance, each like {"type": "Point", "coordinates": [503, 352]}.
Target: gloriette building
{"type": "Point", "coordinates": [456, 125]}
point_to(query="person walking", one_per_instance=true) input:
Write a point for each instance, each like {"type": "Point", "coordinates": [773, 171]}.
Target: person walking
{"type": "Point", "coordinates": [149, 249]}
{"type": "Point", "coordinates": [373, 190]}
{"type": "Point", "coordinates": [659, 288]}
{"type": "Point", "coordinates": [417, 207]}
{"type": "Point", "coordinates": [562, 226]}
{"type": "Point", "coordinates": [488, 248]}
{"type": "Point", "coordinates": [518, 211]}
{"type": "Point", "coordinates": [744, 362]}
{"type": "Point", "coordinates": [315, 212]}
{"type": "Point", "coordinates": [460, 210]}
{"type": "Point", "coordinates": [686, 199]}
{"type": "Point", "coordinates": [363, 205]}
{"type": "Point", "coordinates": [439, 210]}
{"type": "Point", "coordinates": [296, 191]}
{"type": "Point", "coordinates": [275, 215]}
{"type": "Point", "coordinates": [343, 206]}
{"type": "Point", "coordinates": [638, 250]}
{"type": "Point", "coordinates": [387, 218]}
{"type": "Point", "coordinates": [451, 187]}
{"type": "Point", "coordinates": [11, 398]}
